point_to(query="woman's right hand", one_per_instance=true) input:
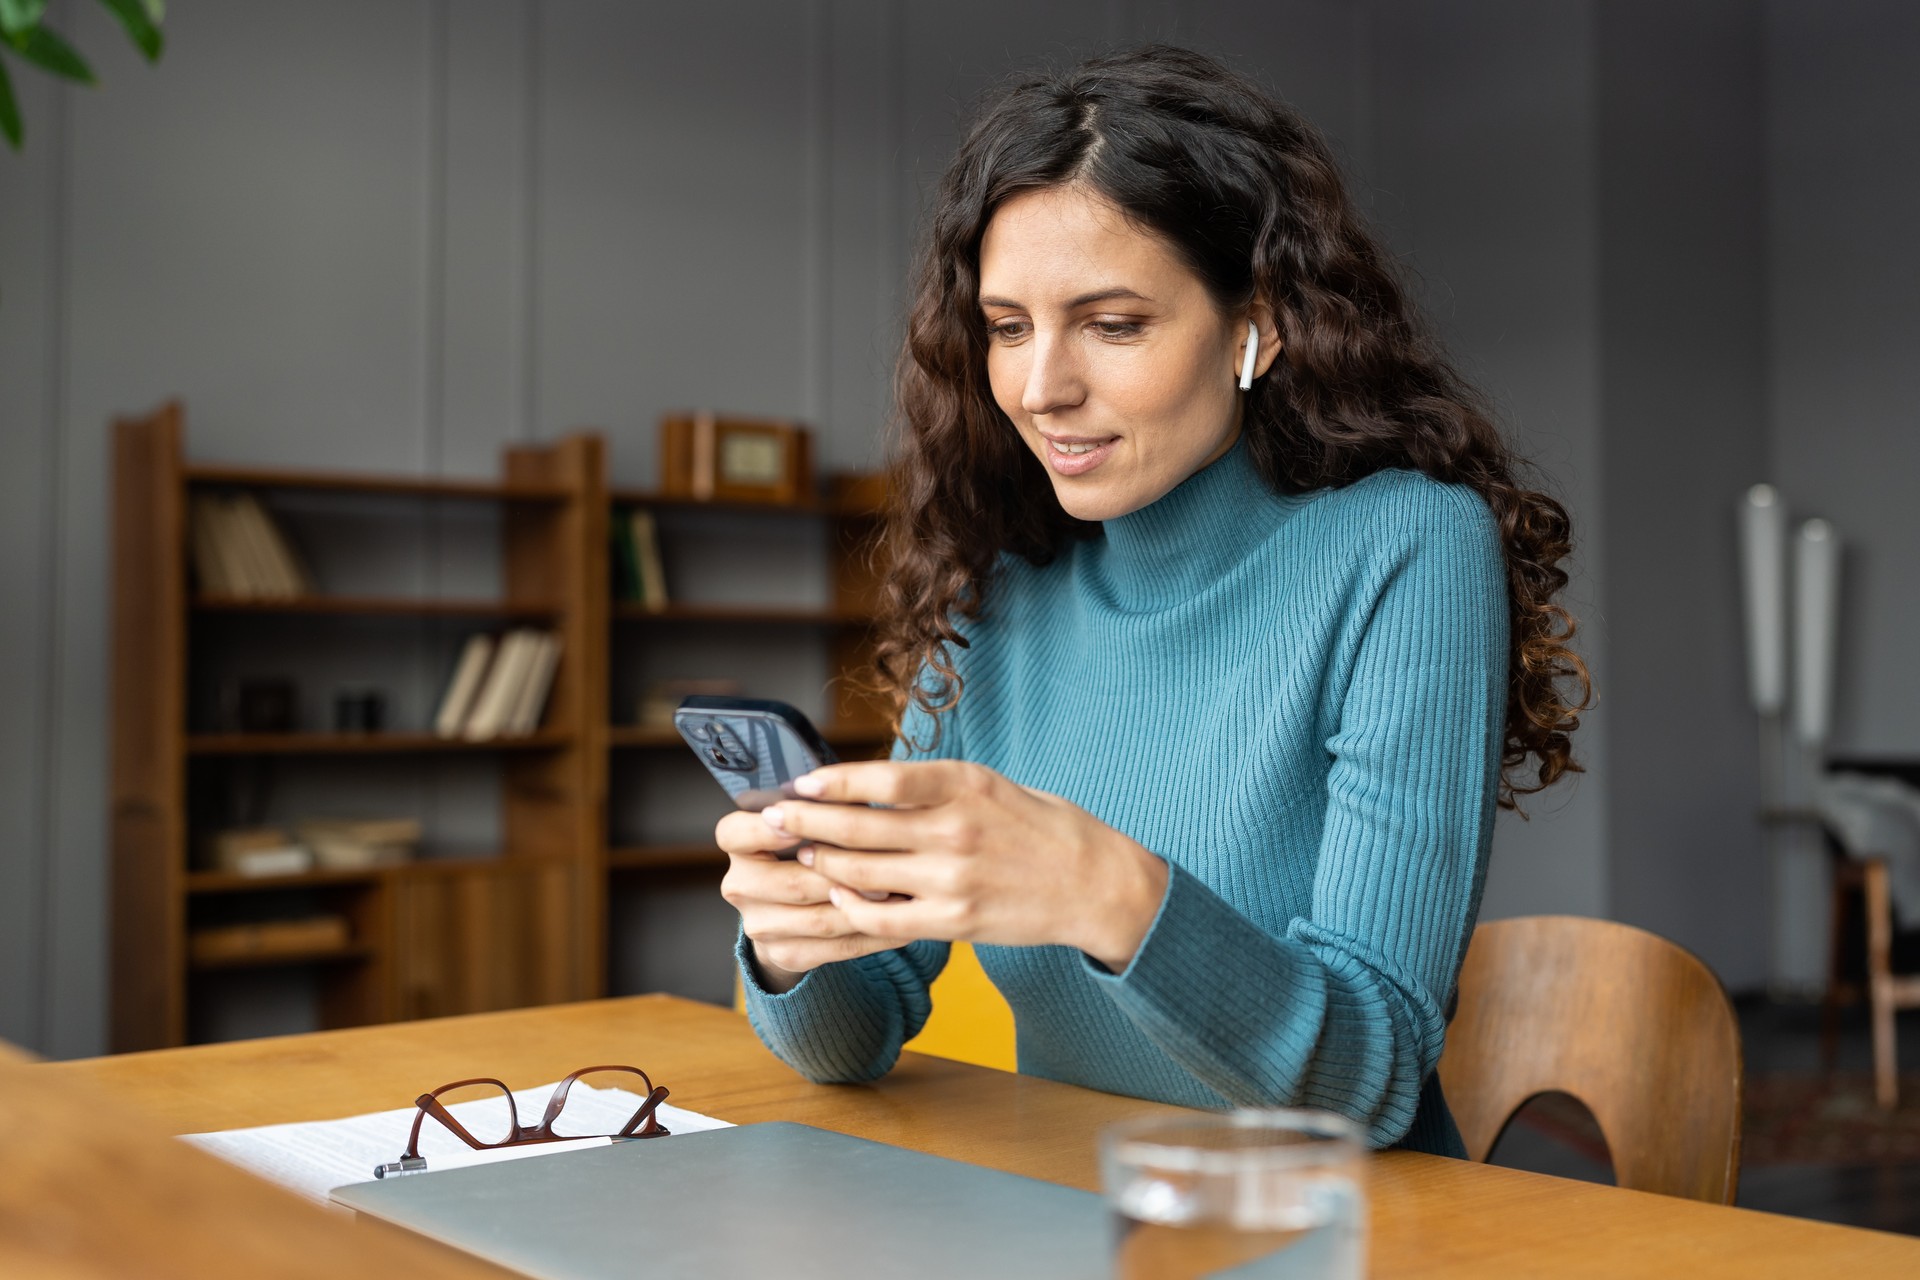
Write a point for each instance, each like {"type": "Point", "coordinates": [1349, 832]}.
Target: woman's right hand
{"type": "Point", "coordinates": [789, 922]}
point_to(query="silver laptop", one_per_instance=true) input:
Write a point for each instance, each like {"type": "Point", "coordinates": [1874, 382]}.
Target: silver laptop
{"type": "Point", "coordinates": [772, 1200]}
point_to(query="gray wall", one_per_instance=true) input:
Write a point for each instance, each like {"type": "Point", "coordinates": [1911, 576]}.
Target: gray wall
{"type": "Point", "coordinates": [1682, 332]}
{"type": "Point", "coordinates": [1484, 177]}
{"type": "Point", "coordinates": [1668, 240]}
{"type": "Point", "coordinates": [1843, 268]}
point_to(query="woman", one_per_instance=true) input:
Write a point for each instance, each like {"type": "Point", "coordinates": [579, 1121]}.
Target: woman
{"type": "Point", "coordinates": [1208, 693]}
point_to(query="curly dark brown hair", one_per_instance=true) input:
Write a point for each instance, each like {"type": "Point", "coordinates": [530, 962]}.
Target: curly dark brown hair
{"type": "Point", "coordinates": [1250, 198]}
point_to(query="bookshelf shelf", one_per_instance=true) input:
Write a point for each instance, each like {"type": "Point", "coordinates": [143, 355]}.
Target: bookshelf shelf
{"type": "Point", "coordinates": [218, 882]}
{"type": "Point", "coordinates": [660, 857]}
{"type": "Point", "coordinates": [316, 744]}
{"type": "Point", "coordinates": [272, 959]}
{"type": "Point", "coordinates": [379, 606]}
{"type": "Point", "coordinates": [207, 475]}
{"type": "Point", "coordinates": [633, 610]}
{"type": "Point", "coordinates": [653, 737]}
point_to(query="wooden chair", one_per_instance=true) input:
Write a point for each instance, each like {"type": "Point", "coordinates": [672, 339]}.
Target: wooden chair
{"type": "Point", "coordinates": [1887, 992]}
{"type": "Point", "coordinates": [1633, 1026]}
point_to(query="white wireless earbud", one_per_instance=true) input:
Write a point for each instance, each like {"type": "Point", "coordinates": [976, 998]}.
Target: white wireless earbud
{"type": "Point", "coordinates": [1253, 349]}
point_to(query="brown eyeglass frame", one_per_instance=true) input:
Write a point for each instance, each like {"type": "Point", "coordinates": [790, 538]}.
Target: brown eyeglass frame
{"type": "Point", "coordinates": [428, 1104]}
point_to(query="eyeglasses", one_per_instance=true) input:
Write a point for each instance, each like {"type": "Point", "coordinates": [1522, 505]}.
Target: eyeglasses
{"type": "Point", "coordinates": [500, 1126]}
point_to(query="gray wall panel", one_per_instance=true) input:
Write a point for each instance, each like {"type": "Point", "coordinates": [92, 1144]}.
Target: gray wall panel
{"type": "Point", "coordinates": [1484, 135]}
{"type": "Point", "coordinates": [673, 223]}
{"type": "Point", "coordinates": [31, 212]}
{"type": "Point", "coordinates": [1843, 203]}
{"type": "Point", "coordinates": [1683, 316]}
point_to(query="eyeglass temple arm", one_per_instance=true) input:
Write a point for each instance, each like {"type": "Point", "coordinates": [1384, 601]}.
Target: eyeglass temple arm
{"type": "Point", "coordinates": [428, 1104]}
{"type": "Point", "coordinates": [645, 1114]}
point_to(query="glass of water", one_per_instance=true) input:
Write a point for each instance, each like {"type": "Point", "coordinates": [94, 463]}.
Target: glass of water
{"type": "Point", "coordinates": [1242, 1194]}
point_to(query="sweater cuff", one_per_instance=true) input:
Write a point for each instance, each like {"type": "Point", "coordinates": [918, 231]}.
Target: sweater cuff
{"type": "Point", "coordinates": [841, 1022]}
{"type": "Point", "coordinates": [1188, 980]}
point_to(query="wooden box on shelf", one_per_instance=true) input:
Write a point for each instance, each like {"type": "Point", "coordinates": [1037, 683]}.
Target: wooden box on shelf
{"type": "Point", "coordinates": [709, 458]}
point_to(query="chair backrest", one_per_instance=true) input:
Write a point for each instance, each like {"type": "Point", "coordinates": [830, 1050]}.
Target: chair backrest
{"type": "Point", "coordinates": [1637, 1028]}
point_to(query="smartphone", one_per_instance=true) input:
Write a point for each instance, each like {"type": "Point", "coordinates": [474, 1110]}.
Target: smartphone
{"type": "Point", "coordinates": [753, 747]}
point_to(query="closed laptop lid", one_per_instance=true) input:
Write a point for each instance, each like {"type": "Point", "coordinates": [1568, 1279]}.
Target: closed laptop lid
{"type": "Point", "coordinates": [772, 1199]}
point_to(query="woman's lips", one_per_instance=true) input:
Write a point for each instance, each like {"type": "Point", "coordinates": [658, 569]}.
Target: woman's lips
{"type": "Point", "coordinates": [1066, 460]}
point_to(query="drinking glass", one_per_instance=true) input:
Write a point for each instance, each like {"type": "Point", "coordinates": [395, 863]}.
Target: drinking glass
{"type": "Point", "coordinates": [1274, 1193]}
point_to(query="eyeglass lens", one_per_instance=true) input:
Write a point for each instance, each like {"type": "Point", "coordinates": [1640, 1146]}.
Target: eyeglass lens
{"type": "Point", "coordinates": [601, 1103]}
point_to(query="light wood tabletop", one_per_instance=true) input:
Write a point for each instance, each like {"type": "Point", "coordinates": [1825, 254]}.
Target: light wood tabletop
{"type": "Point", "coordinates": [1431, 1217]}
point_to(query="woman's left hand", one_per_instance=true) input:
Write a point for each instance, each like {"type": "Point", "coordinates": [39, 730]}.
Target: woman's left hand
{"type": "Point", "coordinates": [972, 857]}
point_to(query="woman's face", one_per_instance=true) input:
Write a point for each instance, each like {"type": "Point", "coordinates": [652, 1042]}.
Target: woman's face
{"type": "Point", "coordinates": [1106, 352]}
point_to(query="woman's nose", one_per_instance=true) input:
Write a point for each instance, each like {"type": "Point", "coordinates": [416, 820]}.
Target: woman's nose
{"type": "Point", "coordinates": [1054, 380]}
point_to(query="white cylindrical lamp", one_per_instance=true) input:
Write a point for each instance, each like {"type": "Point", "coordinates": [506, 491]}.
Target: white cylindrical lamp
{"type": "Point", "coordinates": [1816, 630]}
{"type": "Point", "coordinates": [1763, 563]}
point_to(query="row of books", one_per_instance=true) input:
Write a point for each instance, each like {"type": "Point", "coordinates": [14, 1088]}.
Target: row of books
{"type": "Point", "coordinates": [638, 573]}
{"type": "Point", "coordinates": [329, 844]}
{"type": "Point", "coordinates": [238, 549]}
{"type": "Point", "coordinates": [499, 687]}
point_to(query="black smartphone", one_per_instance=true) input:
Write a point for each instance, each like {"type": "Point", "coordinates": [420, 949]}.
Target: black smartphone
{"type": "Point", "coordinates": [754, 747]}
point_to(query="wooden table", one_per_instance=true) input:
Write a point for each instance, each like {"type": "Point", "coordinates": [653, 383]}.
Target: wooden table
{"type": "Point", "coordinates": [1431, 1217]}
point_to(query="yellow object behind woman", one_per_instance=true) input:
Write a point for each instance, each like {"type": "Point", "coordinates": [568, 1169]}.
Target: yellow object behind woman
{"type": "Point", "coordinates": [970, 1022]}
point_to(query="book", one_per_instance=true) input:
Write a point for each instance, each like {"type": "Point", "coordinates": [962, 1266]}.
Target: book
{"type": "Point", "coordinates": [213, 943]}
{"type": "Point", "coordinates": [209, 564]}
{"type": "Point", "coordinates": [290, 576]}
{"type": "Point", "coordinates": [357, 844]}
{"type": "Point", "coordinates": [652, 572]}
{"type": "Point", "coordinates": [531, 703]}
{"type": "Point", "coordinates": [625, 559]}
{"type": "Point", "coordinates": [493, 708]}
{"type": "Point", "coordinates": [463, 686]}
{"type": "Point", "coordinates": [261, 573]}
{"type": "Point", "coordinates": [221, 560]}
{"type": "Point", "coordinates": [255, 851]}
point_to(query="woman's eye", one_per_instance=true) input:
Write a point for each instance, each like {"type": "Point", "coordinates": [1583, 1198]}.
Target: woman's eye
{"type": "Point", "coordinates": [1117, 328]}
{"type": "Point", "coordinates": [1007, 330]}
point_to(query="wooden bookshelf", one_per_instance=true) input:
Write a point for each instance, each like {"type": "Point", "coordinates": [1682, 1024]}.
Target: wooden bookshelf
{"type": "Point", "coordinates": [432, 937]}
{"type": "Point", "coordinates": [526, 923]}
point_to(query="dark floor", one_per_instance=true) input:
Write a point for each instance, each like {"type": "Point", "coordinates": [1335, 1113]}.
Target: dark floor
{"type": "Point", "coordinates": [1779, 1038]}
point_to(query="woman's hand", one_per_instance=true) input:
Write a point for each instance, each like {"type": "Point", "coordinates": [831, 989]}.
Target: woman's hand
{"type": "Point", "coordinates": [969, 856]}
{"type": "Point", "coordinates": [784, 907]}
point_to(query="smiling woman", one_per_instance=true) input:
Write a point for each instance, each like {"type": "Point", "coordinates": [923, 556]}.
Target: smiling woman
{"type": "Point", "coordinates": [1118, 389]}
{"type": "Point", "coordinates": [1217, 622]}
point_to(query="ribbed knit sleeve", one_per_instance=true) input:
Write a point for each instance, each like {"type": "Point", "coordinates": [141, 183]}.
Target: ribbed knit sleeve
{"type": "Point", "coordinates": [845, 1023]}
{"type": "Point", "coordinates": [1342, 1008]}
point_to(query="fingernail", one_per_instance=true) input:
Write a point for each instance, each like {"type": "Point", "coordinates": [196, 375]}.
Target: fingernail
{"type": "Point", "coordinates": [805, 856]}
{"type": "Point", "coordinates": [808, 785]}
{"type": "Point", "coordinates": [771, 815]}
{"type": "Point", "coordinates": [833, 896]}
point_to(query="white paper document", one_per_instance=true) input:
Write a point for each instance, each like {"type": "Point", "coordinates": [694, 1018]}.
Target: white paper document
{"type": "Point", "coordinates": [315, 1156]}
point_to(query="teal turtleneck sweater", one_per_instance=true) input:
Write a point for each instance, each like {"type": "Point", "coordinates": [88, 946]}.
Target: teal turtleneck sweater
{"type": "Point", "coordinates": [1297, 702]}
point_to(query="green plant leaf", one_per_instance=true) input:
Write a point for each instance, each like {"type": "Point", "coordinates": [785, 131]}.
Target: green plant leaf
{"type": "Point", "coordinates": [137, 18]}
{"type": "Point", "coordinates": [18, 15]}
{"type": "Point", "coordinates": [50, 53]}
{"type": "Point", "coordinates": [156, 10]}
{"type": "Point", "coordinates": [9, 109]}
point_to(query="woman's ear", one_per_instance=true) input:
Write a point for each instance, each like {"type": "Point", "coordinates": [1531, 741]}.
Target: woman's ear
{"type": "Point", "coordinates": [1261, 316]}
